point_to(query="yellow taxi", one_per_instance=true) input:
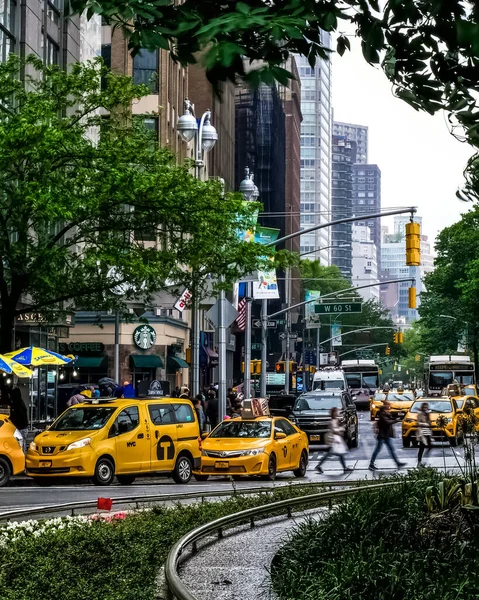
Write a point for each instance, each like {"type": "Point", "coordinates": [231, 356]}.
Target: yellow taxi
{"type": "Point", "coordinates": [438, 407]}
{"type": "Point", "coordinates": [102, 438]}
{"type": "Point", "coordinates": [261, 446]}
{"type": "Point", "coordinates": [12, 459]}
{"type": "Point", "coordinates": [400, 403]}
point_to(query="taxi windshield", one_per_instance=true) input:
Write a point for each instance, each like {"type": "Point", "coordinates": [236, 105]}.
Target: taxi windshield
{"type": "Point", "coordinates": [242, 429]}
{"type": "Point", "coordinates": [469, 392]}
{"type": "Point", "coordinates": [317, 402]}
{"type": "Point", "coordinates": [78, 419]}
{"type": "Point", "coordinates": [393, 397]}
{"type": "Point", "coordinates": [437, 406]}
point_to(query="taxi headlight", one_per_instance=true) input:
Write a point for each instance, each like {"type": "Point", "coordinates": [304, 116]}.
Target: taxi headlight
{"type": "Point", "coordinates": [19, 437]}
{"type": "Point", "coordinates": [373, 405]}
{"type": "Point", "coordinates": [80, 444]}
{"type": "Point", "coordinates": [253, 452]}
{"type": "Point", "coordinates": [33, 447]}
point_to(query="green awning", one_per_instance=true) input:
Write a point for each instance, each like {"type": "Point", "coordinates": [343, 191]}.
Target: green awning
{"type": "Point", "coordinates": [175, 362]}
{"type": "Point", "coordinates": [91, 362]}
{"type": "Point", "coordinates": [146, 361]}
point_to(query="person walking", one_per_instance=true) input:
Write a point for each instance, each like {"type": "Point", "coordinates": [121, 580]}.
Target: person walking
{"type": "Point", "coordinates": [335, 441]}
{"type": "Point", "coordinates": [75, 398]}
{"type": "Point", "coordinates": [19, 415]}
{"type": "Point", "coordinates": [424, 432]}
{"type": "Point", "coordinates": [385, 432]}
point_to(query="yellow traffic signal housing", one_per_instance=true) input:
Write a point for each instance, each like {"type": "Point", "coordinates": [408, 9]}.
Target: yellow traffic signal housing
{"type": "Point", "coordinates": [418, 358]}
{"type": "Point", "coordinates": [413, 244]}
{"type": "Point", "coordinates": [412, 297]}
{"type": "Point", "coordinates": [388, 350]}
{"type": "Point", "coordinates": [396, 338]}
{"type": "Point", "coordinates": [401, 337]}
{"type": "Point", "coordinates": [188, 355]}
{"type": "Point", "coordinates": [281, 366]}
{"type": "Point", "coordinates": [254, 367]}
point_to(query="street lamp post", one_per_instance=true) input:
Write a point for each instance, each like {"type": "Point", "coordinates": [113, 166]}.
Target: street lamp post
{"type": "Point", "coordinates": [205, 137]}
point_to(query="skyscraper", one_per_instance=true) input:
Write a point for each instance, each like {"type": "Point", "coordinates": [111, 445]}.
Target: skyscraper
{"type": "Point", "coordinates": [354, 133]}
{"type": "Point", "coordinates": [343, 159]}
{"type": "Point", "coordinates": [316, 131]}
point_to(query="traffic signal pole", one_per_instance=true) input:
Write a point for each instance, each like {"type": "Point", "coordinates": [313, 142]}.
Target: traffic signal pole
{"type": "Point", "coordinates": [264, 313]}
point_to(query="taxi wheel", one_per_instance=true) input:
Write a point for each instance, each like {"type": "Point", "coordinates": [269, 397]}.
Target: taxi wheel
{"type": "Point", "coordinates": [183, 470]}
{"type": "Point", "coordinates": [125, 479]}
{"type": "Point", "coordinates": [303, 463]}
{"type": "Point", "coordinates": [201, 477]}
{"type": "Point", "coordinates": [406, 442]}
{"type": "Point", "coordinates": [104, 472]}
{"type": "Point", "coordinates": [271, 476]}
{"type": "Point", "coordinates": [4, 472]}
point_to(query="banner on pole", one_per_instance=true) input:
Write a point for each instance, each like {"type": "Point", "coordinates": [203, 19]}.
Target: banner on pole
{"type": "Point", "coordinates": [266, 287]}
{"type": "Point", "coordinates": [311, 318]}
{"type": "Point", "coordinates": [336, 335]}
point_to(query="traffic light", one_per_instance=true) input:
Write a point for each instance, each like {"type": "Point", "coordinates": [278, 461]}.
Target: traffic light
{"type": "Point", "coordinates": [412, 297]}
{"type": "Point", "coordinates": [388, 350]}
{"type": "Point", "coordinates": [281, 366]}
{"type": "Point", "coordinates": [418, 358]}
{"type": "Point", "coordinates": [254, 368]}
{"type": "Point", "coordinates": [413, 244]}
{"type": "Point", "coordinates": [396, 338]}
{"type": "Point", "coordinates": [401, 337]}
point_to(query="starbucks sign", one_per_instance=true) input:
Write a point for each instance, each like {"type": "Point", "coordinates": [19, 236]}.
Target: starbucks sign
{"type": "Point", "coordinates": [144, 337]}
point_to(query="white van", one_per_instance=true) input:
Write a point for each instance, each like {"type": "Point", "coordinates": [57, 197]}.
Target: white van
{"type": "Point", "coordinates": [329, 379]}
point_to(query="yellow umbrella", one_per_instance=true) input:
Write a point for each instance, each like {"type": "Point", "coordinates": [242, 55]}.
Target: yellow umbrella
{"type": "Point", "coordinates": [11, 366]}
{"type": "Point", "coordinates": [37, 357]}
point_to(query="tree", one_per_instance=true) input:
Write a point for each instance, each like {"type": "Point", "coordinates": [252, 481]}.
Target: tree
{"type": "Point", "coordinates": [452, 289]}
{"type": "Point", "coordinates": [428, 49]}
{"type": "Point", "coordinates": [73, 203]}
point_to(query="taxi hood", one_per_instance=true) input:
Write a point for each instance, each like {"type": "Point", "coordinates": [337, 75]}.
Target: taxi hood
{"type": "Point", "coordinates": [235, 443]}
{"type": "Point", "coordinates": [63, 438]}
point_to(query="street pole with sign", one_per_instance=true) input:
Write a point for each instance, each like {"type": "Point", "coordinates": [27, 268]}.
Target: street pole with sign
{"type": "Point", "coordinates": [205, 137]}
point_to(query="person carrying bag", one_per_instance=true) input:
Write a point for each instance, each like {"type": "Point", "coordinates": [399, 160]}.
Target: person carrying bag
{"type": "Point", "coordinates": [335, 442]}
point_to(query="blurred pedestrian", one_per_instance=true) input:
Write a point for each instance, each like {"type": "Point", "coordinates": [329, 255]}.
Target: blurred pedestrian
{"type": "Point", "coordinates": [200, 412]}
{"type": "Point", "coordinates": [335, 441]}
{"type": "Point", "coordinates": [184, 392]}
{"type": "Point", "coordinates": [385, 432]}
{"type": "Point", "coordinates": [424, 432]}
{"type": "Point", "coordinates": [212, 409]}
{"type": "Point", "coordinates": [19, 415]}
{"type": "Point", "coordinates": [75, 398]}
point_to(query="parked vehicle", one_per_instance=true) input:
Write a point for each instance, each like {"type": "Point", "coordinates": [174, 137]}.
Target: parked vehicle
{"type": "Point", "coordinates": [311, 413]}
{"type": "Point", "coordinates": [12, 459]}
{"type": "Point", "coordinates": [129, 437]}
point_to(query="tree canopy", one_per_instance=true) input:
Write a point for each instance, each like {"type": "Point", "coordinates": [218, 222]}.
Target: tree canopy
{"type": "Point", "coordinates": [429, 49]}
{"type": "Point", "coordinates": [83, 188]}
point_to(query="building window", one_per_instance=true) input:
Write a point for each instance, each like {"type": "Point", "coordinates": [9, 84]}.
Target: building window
{"type": "Point", "coordinates": [6, 45]}
{"type": "Point", "coordinates": [306, 72]}
{"type": "Point", "coordinates": [53, 52]}
{"type": "Point", "coordinates": [7, 28]}
{"type": "Point", "coordinates": [53, 10]}
{"type": "Point", "coordinates": [145, 69]}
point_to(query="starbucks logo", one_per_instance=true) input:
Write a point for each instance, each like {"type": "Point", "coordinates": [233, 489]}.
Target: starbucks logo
{"type": "Point", "coordinates": [144, 337]}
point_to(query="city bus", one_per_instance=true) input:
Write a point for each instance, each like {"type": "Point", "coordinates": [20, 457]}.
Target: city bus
{"type": "Point", "coordinates": [440, 371]}
{"type": "Point", "coordinates": [362, 376]}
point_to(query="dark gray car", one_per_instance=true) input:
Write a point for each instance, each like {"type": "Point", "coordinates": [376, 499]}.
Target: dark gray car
{"type": "Point", "coordinates": [311, 413]}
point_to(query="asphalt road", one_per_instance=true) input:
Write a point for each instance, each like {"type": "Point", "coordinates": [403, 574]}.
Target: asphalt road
{"type": "Point", "coordinates": [33, 495]}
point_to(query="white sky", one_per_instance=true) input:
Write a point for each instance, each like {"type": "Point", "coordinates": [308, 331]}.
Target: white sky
{"type": "Point", "coordinates": [421, 162]}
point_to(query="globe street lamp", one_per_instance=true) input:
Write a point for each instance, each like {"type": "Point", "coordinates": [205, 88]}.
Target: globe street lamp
{"type": "Point", "coordinates": [205, 137]}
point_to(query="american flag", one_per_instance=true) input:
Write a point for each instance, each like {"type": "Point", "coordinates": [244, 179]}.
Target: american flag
{"type": "Point", "coordinates": [241, 319]}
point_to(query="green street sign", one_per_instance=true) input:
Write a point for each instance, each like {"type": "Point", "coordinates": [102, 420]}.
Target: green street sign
{"type": "Point", "coordinates": [335, 308]}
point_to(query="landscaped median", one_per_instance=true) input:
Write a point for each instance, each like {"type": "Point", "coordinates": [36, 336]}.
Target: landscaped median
{"type": "Point", "coordinates": [418, 540]}
{"type": "Point", "coordinates": [85, 558]}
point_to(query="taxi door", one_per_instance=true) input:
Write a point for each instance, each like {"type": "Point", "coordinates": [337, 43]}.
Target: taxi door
{"type": "Point", "coordinates": [294, 439]}
{"type": "Point", "coordinates": [132, 451]}
{"type": "Point", "coordinates": [163, 436]}
{"type": "Point", "coordinates": [282, 447]}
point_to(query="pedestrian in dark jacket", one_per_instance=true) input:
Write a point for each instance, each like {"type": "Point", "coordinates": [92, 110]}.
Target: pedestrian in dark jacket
{"type": "Point", "coordinates": [385, 432]}
{"type": "Point", "coordinates": [200, 412]}
{"type": "Point", "coordinates": [212, 408]}
{"type": "Point", "coordinates": [19, 415]}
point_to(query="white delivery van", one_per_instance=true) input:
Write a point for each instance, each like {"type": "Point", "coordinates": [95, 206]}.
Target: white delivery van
{"type": "Point", "coordinates": [329, 379]}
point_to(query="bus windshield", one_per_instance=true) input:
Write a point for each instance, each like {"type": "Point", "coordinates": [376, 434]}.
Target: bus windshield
{"type": "Point", "coordinates": [370, 380]}
{"type": "Point", "coordinates": [467, 378]}
{"type": "Point", "coordinates": [440, 379]}
{"type": "Point", "coordinates": [328, 384]}
{"type": "Point", "coordinates": [354, 380]}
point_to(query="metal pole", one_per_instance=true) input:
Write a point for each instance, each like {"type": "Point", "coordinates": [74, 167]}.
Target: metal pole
{"type": "Point", "coordinates": [117, 347]}
{"type": "Point", "coordinates": [318, 337]}
{"type": "Point", "coordinates": [247, 345]}
{"type": "Point", "coordinates": [287, 329]}
{"type": "Point", "coordinates": [222, 352]}
{"type": "Point", "coordinates": [264, 346]}
{"type": "Point", "coordinates": [195, 346]}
